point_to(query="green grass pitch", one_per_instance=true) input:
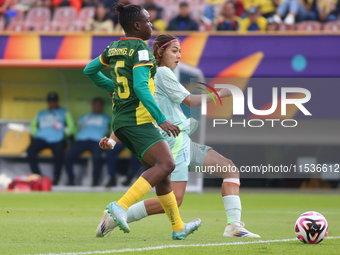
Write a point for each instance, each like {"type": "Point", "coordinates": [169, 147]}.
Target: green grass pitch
{"type": "Point", "coordinates": [64, 223]}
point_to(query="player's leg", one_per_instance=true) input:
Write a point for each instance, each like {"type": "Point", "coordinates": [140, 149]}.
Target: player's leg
{"type": "Point", "coordinates": [159, 155]}
{"type": "Point", "coordinates": [164, 191]}
{"type": "Point", "coordinates": [230, 193]}
{"type": "Point", "coordinates": [179, 177]}
{"type": "Point", "coordinates": [152, 206]}
{"type": "Point", "coordinates": [74, 152]}
{"type": "Point", "coordinates": [32, 154]}
{"type": "Point", "coordinates": [146, 142]}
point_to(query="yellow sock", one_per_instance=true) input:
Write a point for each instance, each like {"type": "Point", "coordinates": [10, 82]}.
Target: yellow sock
{"type": "Point", "coordinates": [170, 207]}
{"type": "Point", "coordinates": [137, 190]}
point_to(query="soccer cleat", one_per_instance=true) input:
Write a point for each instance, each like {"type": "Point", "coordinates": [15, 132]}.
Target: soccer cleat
{"type": "Point", "coordinates": [188, 229]}
{"type": "Point", "coordinates": [106, 225]}
{"type": "Point", "coordinates": [119, 216]}
{"type": "Point", "coordinates": [237, 230]}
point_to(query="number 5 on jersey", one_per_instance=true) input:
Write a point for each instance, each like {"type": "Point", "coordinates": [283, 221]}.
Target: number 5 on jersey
{"type": "Point", "coordinates": [122, 79]}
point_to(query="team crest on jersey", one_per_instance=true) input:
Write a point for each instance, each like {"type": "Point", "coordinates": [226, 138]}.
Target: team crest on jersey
{"type": "Point", "coordinates": [143, 55]}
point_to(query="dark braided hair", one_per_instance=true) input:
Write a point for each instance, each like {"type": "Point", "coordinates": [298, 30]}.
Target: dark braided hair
{"type": "Point", "coordinates": [161, 40]}
{"type": "Point", "coordinates": [128, 15]}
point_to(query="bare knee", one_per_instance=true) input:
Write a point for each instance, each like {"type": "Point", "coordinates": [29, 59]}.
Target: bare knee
{"type": "Point", "coordinates": [168, 166]}
{"type": "Point", "coordinates": [232, 171]}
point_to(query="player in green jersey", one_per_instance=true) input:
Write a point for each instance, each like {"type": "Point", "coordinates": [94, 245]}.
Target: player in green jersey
{"type": "Point", "coordinates": [169, 94]}
{"type": "Point", "coordinates": [133, 67]}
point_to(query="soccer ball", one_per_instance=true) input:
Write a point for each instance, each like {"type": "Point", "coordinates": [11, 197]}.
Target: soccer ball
{"type": "Point", "coordinates": [311, 227]}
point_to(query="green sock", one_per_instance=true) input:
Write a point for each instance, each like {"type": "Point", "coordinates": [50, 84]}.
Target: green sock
{"type": "Point", "coordinates": [232, 206]}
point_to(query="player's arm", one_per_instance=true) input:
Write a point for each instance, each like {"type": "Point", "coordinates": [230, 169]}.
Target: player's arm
{"type": "Point", "coordinates": [179, 94]}
{"type": "Point", "coordinates": [109, 143]}
{"type": "Point", "coordinates": [193, 101]}
{"type": "Point", "coordinates": [141, 88]}
{"type": "Point", "coordinates": [141, 76]}
{"type": "Point", "coordinates": [93, 71]}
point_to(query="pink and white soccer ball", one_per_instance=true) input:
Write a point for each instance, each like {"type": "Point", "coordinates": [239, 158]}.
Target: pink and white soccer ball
{"type": "Point", "coordinates": [311, 227]}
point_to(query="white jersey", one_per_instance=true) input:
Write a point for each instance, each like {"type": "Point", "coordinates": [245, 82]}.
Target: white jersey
{"type": "Point", "coordinates": [169, 94]}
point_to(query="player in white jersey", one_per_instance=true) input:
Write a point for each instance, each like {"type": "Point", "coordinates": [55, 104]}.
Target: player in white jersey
{"type": "Point", "coordinates": [169, 94]}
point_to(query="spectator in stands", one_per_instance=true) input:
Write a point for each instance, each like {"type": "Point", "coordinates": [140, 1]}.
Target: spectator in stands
{"type": "Point", "coordinates": [88, 3]}
{"type": "Point", "coordinates": [211, 8]}
{"type": "Point", "coordinates": [294, 11]}
{"type": "Point", "coordinates": [267, 7]}
{"type": "Point", "coordinates": [43, 3]}
{"type": "Point", "coordinates": [227, 19]}
{"type": "Point", "coordinates": [100, 22]}
{"type": "Point", "coordinates": [76, 4]}
{"type": "Point", "coordinates": [247, 4]}
{"type": "Point", "coordinates": [4, 4]}
{"type": "Point", "coordinates": [92, 127]}
{"type": "Point", "coordinates": [214, 7]}
{"type": "Point", "coordinates": [48, 130]}
{"type": "Point", "coordinates": [254, 21]}
{"type": "Point", "coordinates": [239, 8]}
{"type": "Point", "coordinates": [159, 9]}
{"type": "Point", "coordinates": [157, 24]}
{"type": "Point", "coordinates": [183, 22]}
{"type": "Point", "coordinates": [111, 160]}
{"type": "Point", "coordinates": [110, 6]}
{"type": "Point", "coordinates": [326, 10]}
{"type": "Point", "coordinates": [271, 25]}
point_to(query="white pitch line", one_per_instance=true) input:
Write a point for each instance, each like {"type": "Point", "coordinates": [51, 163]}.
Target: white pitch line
{"type": "Point", "coordinates": [177, 246]}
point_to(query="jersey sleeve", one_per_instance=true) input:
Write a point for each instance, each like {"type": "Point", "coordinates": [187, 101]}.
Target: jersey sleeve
{"type": "Point", "coordinates": [142, 56]}
{"type": "Point", "coordinates": [93, 71]}
{"type": "Point", "coordinates": [173, 89]}
{"type": "Point", "coordinates": [140, 86]}
{"type": "Point", "coordinates": [104, 59]}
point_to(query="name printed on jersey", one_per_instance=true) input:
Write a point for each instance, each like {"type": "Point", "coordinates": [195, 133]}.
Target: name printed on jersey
{"type": "Point", "coordinates": [114, 52]}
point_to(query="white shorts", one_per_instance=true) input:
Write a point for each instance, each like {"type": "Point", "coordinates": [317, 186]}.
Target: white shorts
{"type": "Point", "coordinates": [187, 155]}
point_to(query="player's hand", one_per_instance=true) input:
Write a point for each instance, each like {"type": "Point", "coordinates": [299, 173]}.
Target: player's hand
{"type": "Point", "coordinates": [225, 93]}
{"type": "Point", "coordinates": [111, 95]}
{"type": "Point", "coordinates": [169, 127]}
{"type": "Point", "coordinates": [104, 144]}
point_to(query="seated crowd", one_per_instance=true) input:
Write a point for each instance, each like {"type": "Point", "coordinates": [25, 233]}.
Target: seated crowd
{"type": "Point", "coordinates": [52, 127]}
{"type": "Point", "coordinates": [194, 15]}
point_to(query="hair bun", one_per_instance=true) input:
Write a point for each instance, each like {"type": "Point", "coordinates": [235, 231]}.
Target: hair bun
{"type": "Point", "coordinates": [119, 7]}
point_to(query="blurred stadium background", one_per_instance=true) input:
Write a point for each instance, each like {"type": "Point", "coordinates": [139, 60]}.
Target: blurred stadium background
{"type": "Point", "coordinates": [44, 46]}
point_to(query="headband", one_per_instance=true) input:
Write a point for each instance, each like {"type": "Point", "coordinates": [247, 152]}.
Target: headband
{"type": "Point", "coordinates": [165, 44]}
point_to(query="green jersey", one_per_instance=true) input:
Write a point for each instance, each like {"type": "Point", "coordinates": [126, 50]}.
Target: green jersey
{"type": "Point", "coordinates": [123, 56]}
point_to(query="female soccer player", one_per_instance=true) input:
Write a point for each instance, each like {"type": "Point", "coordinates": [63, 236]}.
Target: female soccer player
{"type": "Point", "coordinates": [132, 69]}
{"type": "Point", "coordinates": [169, 95]}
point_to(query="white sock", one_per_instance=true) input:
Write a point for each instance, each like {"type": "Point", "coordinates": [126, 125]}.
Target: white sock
{"type": "Point", "coordinates": [232, 206]}
{"type": "Point", "coordinates": [136, 212]}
